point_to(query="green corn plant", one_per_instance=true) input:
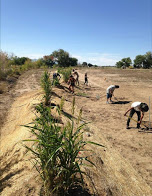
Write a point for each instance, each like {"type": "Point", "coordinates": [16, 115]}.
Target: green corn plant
{"type": "Point", "coordinates": [47, 87]}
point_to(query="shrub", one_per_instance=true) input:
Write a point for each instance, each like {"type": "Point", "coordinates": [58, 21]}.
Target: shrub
{"type": "Point", "coordinates": [131, 67]}
{"type": "Point", "coordinates": [66, 72]}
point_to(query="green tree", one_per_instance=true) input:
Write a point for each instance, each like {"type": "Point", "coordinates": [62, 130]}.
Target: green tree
{"type": "Point", "coordinates": [139, 61]}
{"type": "Point", "coordinates": [148, 60]}
{"type": "Point", "coordinates": [90, 65]}
{"type": "Point", "coordinates": [84, 63]}
{"type": "Point", "coordinates": [119, 64]}
{"type": "Point", "coordinates": [3, 64]}
{"type": "Point", "coordinates": [61, 57]}
{"type": "Point", "coordinates": [49, 60]}
{"type": "Point", "coordinates": [73, 61]}
{"type": "Point", "coordinates": [125, 62]}
{"type": "Point", "coordinates": [18, 60]}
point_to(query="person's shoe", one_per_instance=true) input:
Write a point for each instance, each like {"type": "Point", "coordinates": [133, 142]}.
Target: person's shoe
{"type": "Point", "coordinates": [107, 102]}
{"type": "Point", "coordinates": [138, 127]}
{"type": "Point", "coordinates": [127, 127]}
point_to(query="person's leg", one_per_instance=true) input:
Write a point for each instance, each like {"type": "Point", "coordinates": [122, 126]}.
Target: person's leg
{"type": "Point", "coordinates": [87, 82]}
{"type": "Point", "coordinates": [72, 89]}
{"type": "Point", "coordinates": [139, 116]}
{"type": "Point", "coordinates": [107, 97]}
{"type": "Point", "coordinates": [110, 96]}
{"type": "Point", "coordinates": [130, 116]}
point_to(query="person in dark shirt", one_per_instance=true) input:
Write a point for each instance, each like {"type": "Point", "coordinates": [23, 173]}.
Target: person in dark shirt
{"type": "Point", "coordinates": [71, 82]}
{"type": "Point", "coordinates": [86, 79]}
{"type": "Point", "coordinates": [56, 75]}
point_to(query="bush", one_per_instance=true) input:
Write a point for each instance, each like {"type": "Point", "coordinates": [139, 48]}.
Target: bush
{"type": "Point", "coordinates": [66, 72]}
{"type": "Point", "coordinates": [131, 67]}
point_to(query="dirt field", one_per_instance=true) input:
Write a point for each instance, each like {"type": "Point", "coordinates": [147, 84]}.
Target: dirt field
{"type": "Point", "coordinates": [131, 149]}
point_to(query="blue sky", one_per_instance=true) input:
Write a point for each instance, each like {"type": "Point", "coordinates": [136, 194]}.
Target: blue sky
{"type": "Point", "coordinates": [100, 32]}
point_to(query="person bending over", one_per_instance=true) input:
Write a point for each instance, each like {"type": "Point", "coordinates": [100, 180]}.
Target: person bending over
{"type": "Point", "coordinates": [110, 91]}
{"type": "Point", "coordinates": [140, 109]}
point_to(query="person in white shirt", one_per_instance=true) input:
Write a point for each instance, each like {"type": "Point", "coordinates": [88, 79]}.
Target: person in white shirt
{"type": "Point", "coordinates": [140, 109]}
{"type": "Point", "coordinates": [110, 91]}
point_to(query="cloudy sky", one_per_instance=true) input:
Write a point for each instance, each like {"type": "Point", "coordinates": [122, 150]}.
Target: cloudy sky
{"type": "Point", "coordinates": [100, 32]}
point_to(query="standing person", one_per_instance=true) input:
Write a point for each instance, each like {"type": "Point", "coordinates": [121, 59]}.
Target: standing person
{"type": "Point", "coordinates": [86, 79]}
{"type": "Point", "coordinates": [71, 81]}
{"type": "Point", "coordinates": [77, 77]}
{"type": "Point", "coordinates": [110, 91]}
{"type": "Point", "coordinates": [140, 109]}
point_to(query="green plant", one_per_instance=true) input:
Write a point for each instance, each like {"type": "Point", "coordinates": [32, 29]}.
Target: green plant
{"type": "Point", "coordinates": [66, 72]}
{"type": "Point", "coordinates": [56, 82]}
{"type": "Point", "coordinates": [82, 94]}
{"type": "Point", "coordinates": [47, 87]}
{"type": "Point", "coordinates": [58, 152]}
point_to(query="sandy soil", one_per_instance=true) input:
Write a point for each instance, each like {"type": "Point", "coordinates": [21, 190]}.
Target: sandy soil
{"type": "Point", "coordinates": [123, 167]}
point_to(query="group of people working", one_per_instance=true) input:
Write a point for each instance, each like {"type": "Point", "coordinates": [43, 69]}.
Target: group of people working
{"type": "Point", "coordinates": [74, 80]}
{"type": "Point", "coordinates": [137, 107]}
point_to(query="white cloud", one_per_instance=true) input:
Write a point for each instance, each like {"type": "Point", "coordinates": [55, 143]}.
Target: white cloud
{"type": "Point", "coordinates": [100, 59]}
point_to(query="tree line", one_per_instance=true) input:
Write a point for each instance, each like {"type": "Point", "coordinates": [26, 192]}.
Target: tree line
{"type": "Point", "coordinates": [140, 61]}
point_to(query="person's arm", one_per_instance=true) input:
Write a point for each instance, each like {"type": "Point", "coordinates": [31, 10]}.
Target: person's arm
{"type": "Point", "coordinates": [110, 91]}
{"type": "Point", "coordinates": [68, 81]}
{"type": "Point", "coordinates": [142, 115]}
{"type": "Point", "coordinates": [127, 111]}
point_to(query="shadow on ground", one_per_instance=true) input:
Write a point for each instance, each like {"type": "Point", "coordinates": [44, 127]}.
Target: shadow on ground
{"type": "Point", "coordinates": [78, 191]}
{"type": "Point", "coordinates": [120, 102]}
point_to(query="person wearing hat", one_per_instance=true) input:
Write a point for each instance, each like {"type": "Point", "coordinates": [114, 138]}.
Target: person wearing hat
{"type": "Point", "coordinates": [110, 91]}
{"type": "Point", "coordinates": [138, 107]}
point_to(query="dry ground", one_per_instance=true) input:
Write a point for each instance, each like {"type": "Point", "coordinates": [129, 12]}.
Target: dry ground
{"type": "Point", "coordinates": [123, 167]}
